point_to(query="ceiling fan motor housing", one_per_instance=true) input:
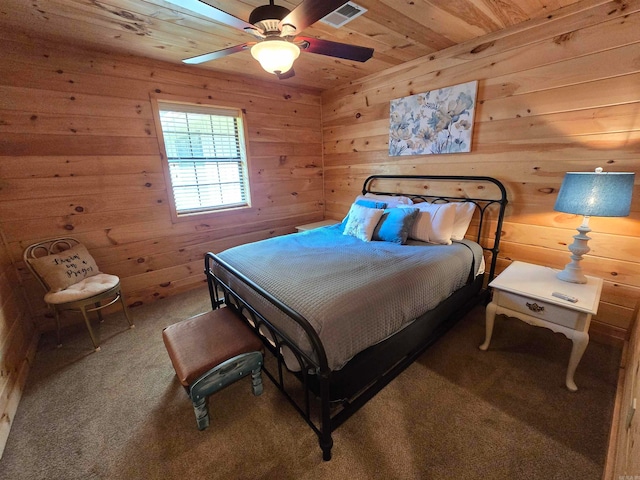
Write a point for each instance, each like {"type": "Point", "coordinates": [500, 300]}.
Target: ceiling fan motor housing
{"type": "Point", "coordinates": [268, 17]}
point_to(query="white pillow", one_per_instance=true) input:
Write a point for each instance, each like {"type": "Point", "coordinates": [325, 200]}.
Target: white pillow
{"type": "Point", "coordinates": [362, 221]}
{"type": "Point", "coordinates": [392, 201]}
{"type": "Point", "coordinates": [464, 214]}
{"type": "Point", "coordinates": [434, 223]}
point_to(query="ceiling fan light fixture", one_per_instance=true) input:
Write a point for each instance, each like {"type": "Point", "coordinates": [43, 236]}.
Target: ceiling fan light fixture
{"type": "Point", "coordinates": [275, 55]}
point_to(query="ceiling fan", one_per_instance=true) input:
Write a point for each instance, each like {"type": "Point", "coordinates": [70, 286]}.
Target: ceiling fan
{"type": "Point", "coordinates": [276, 30]}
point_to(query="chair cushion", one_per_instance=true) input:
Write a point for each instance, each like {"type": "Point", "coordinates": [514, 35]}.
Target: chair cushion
{"type": "Point", "coordinates": [88, 287]}
{"type": "Point", "coordinates": [198, 344]}
{"type": "Point", "coordinates": [60, 270]}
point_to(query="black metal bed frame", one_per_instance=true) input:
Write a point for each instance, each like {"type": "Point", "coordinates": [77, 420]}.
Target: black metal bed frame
{"type": "Point", "coordinates": [314, 374]}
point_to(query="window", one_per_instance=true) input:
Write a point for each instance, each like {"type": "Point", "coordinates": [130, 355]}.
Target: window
{"type": "Point", "coordinates": [206, 156]}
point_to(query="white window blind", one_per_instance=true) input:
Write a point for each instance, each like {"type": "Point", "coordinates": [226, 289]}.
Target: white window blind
{"type": "Point", "coordinates": [205, 152]}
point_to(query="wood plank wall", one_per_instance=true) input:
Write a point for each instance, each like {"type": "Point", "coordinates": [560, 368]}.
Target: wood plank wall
{"type": "Point", "coordinates": [79, 156]}
{"type": "Point", "coordinates": [557, 94]}
{"type": "Point", "coordinates": [18, 340]}
{"type": "Point", "coordinates": [623, 455]}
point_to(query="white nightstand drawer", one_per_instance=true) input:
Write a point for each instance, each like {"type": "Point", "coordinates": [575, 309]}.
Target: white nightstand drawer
{"type": "Point", "coordinates": [540, 309]}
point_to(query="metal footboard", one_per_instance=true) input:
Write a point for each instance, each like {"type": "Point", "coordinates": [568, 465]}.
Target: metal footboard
{"type": "Point", "coordinates": [310, 363]}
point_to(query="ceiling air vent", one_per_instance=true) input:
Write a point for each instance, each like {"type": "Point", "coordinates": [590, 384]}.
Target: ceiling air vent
{"type": "Point", "coordinates": [343, 15]}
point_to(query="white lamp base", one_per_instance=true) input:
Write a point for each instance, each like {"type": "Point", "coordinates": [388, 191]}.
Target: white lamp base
{"type": "Point", "coordinates": [572, 271]}
{"type": "Point", "coordinates": [572, 274]}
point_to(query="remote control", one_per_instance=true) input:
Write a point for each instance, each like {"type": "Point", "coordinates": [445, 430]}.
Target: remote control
{"type": "Point", "coordinates": [564, 296]}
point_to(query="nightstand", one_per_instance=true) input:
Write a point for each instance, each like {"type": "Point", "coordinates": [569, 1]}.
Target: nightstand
{"type": "Point", "coordinates": [322, 223]}
{"type": "Point", "coordinates": [524, 291]}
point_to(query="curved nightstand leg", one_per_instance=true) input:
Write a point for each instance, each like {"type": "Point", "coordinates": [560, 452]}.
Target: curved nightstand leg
{"type": "Point", "coordinates": [490, 316]}
{"type": "Point", "coordinates": [580, 341]}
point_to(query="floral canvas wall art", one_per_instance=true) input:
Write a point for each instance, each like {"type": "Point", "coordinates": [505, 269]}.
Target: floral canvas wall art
{"type": "Point", "coordinates": [439, 121]}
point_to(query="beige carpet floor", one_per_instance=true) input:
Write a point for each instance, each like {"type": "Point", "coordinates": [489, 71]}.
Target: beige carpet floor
{"type": "Point", "coordinates": [456, 413]}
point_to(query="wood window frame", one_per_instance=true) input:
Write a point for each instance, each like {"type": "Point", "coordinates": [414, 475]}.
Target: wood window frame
{"type": "Point", "coordinates": [209, 107]}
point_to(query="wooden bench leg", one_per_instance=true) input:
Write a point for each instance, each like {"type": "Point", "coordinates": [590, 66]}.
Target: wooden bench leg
{"type": "Point", "coordinates": [256, 381]}
{"type": "Point", "coordinates": [201, 410]}
{"type": "Point", "coordinates": [219, 377]}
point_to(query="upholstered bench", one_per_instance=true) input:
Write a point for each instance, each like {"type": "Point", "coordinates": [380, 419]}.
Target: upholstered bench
{"type": "Point", "coordinates": [209, 352]}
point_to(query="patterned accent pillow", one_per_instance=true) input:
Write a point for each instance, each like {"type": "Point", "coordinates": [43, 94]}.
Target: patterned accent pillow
{"type": "Point", "coordinates": [61, 270]}
{"type": "Point", "coordinates": [361, 221]}
{"type": "Point", "coordinates": [364, 203]}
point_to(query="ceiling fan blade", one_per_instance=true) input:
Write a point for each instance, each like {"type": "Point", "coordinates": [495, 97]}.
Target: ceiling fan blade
{"type": "Point", "coordinates": [217, 54]}
{"type": "Point", "coordinates": [203, 8]}
{"type": "Point", "coordinates": [335, 49]}
{"type": "Point", "coordinates": [285, 75]}
{"type": "Point", "coordinates": [309, 12]}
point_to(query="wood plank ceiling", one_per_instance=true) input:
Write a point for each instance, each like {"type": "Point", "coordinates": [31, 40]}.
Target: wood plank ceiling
{"type": "Point", "coordinates": [398, 30]}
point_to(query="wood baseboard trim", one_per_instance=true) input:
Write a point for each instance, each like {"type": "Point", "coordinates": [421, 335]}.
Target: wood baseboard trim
{"type": "Point", "coordinates": [607, 334]}
{"type": "Point", "coordinates": [610, 460]}
{"type": "Point", "coordinates": [16, 393]}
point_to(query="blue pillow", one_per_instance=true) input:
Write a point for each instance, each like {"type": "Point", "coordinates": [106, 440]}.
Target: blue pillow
{"type": "Point", "coordinates": [364, 203]}
{"type": "Point", "coordinates": [395, 225]}
{"type": "Point", "coordinates": [371, 204]}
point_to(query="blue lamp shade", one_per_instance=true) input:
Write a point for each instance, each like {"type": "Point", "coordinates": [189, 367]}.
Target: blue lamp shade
{"type": "Point", "coordinates": [596, 194]}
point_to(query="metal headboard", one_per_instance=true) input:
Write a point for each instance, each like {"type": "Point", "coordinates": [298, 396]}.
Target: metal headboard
{"type": "Point", "coordinates": [483, 204]}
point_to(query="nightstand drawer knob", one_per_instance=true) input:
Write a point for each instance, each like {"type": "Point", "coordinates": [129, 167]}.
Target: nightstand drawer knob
{"type": "Point", "coordinates": [534, 307]}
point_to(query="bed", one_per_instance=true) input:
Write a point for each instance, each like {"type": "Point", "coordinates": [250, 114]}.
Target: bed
{"type": "Point", "coordinates": [341, 316]}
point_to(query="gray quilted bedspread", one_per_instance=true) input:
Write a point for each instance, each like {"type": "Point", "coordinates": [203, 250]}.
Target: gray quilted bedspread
{"type": "Point", "coordinates": [354, 293]}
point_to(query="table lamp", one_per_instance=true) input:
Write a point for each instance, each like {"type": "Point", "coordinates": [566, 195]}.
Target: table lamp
{"type": "Point", "coordinates": [591, 194]}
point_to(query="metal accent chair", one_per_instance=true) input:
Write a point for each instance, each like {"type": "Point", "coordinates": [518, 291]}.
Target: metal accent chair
{"type": "Point", "coordinates": [72, 280]}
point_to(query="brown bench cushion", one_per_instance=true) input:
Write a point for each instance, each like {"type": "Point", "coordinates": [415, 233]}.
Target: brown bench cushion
{"type": "Point", "coordinates": [199, 343]}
